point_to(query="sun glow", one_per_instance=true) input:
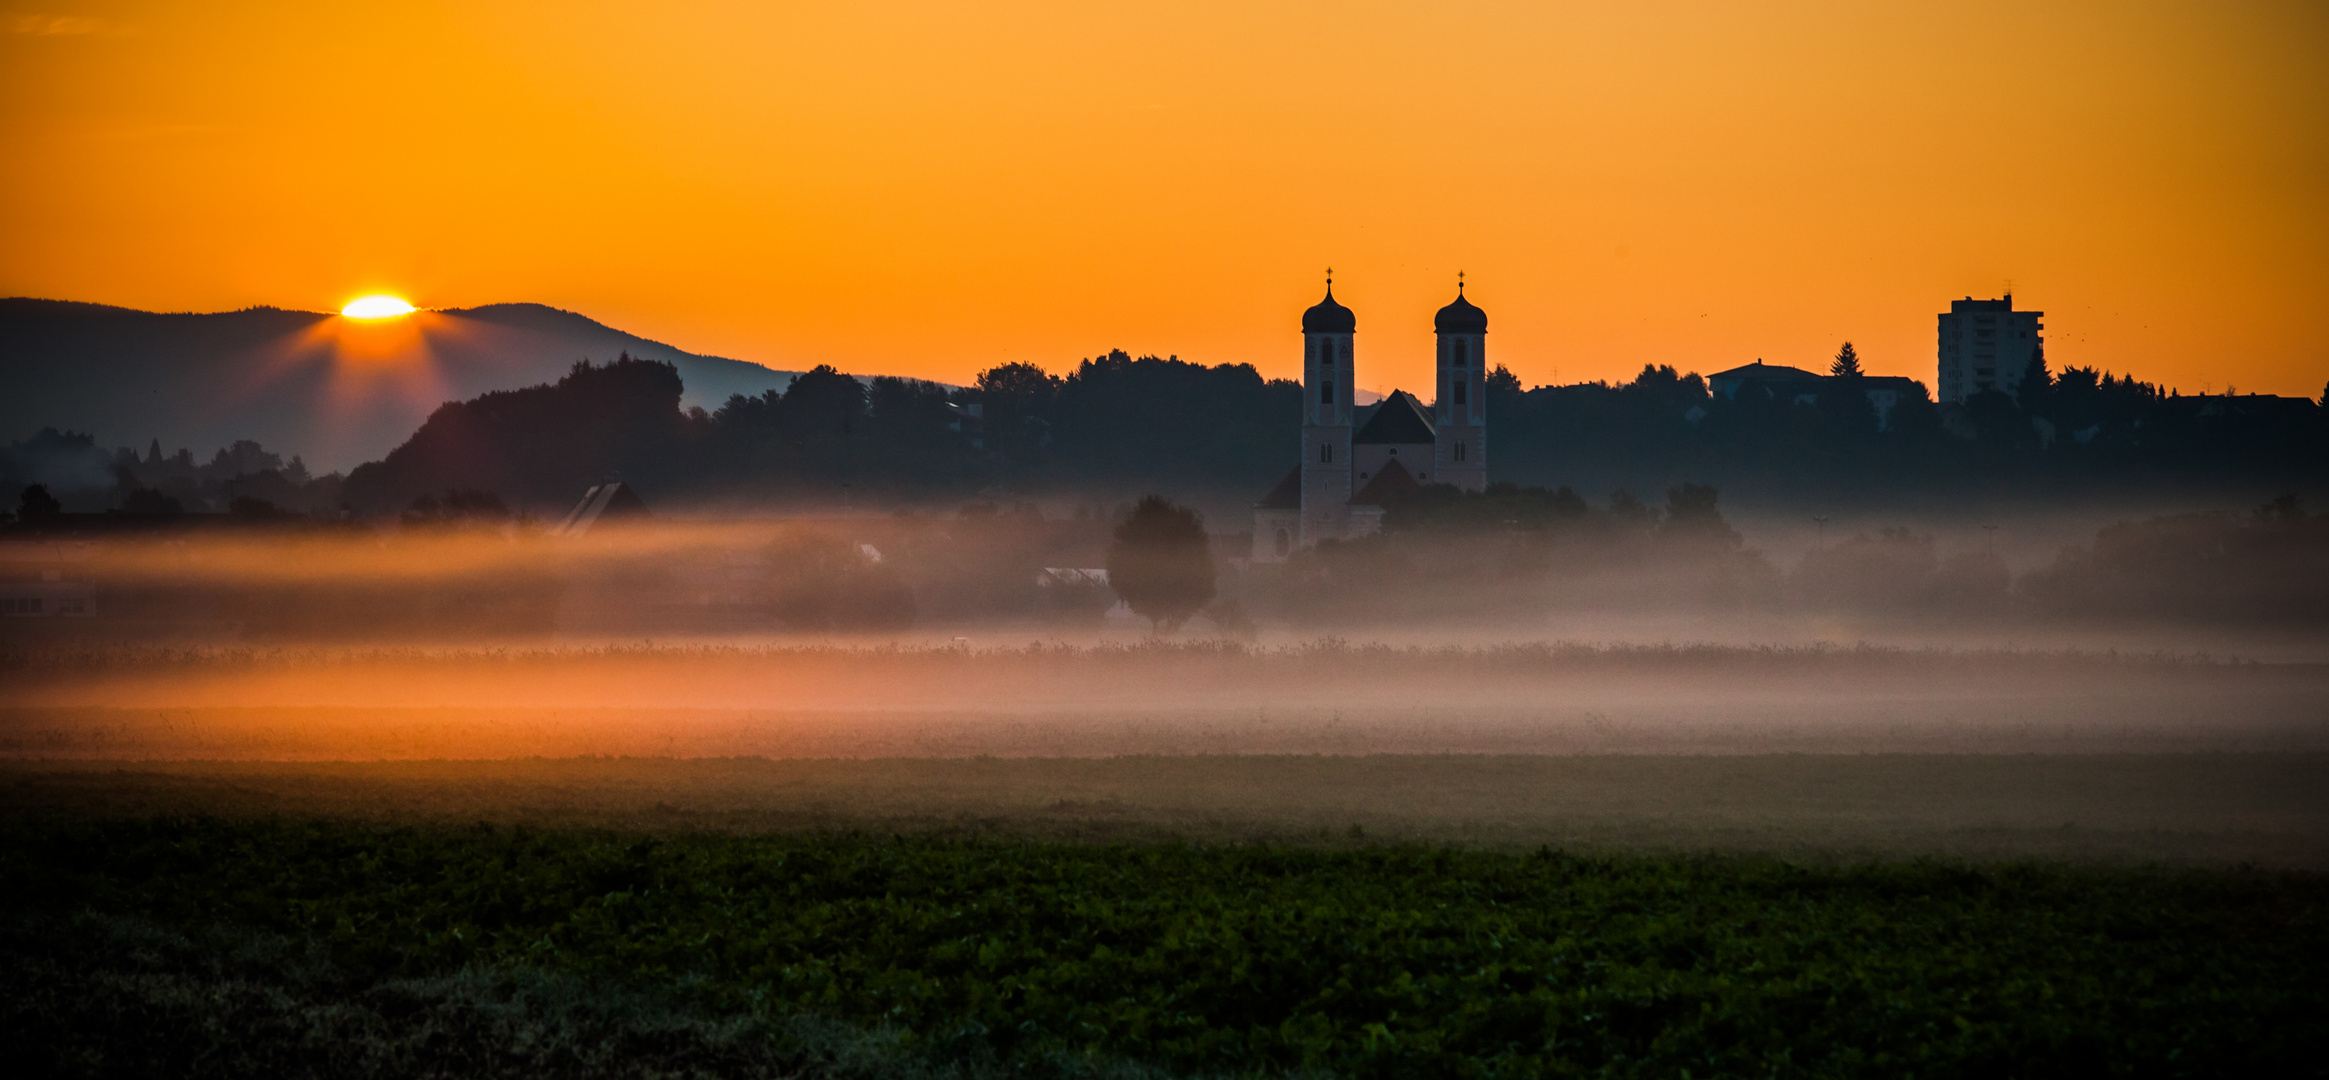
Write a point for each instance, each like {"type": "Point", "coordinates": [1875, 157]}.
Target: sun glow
{"type": "Point", "coordinates": [376, 307]}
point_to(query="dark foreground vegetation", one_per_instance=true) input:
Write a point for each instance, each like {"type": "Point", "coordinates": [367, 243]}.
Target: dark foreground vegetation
{"type": "Point", "coordinates": [197, 947]}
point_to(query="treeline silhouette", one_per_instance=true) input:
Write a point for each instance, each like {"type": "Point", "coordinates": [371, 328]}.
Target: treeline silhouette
{"type": "Point", "coordinates": [1120, 426]}
{"type": "Point", "coordinates": [830, 438]}
{"type": "Point", "coordinates": [74, 472]}
{"type": "Point", "coordinates": [2082, 431]}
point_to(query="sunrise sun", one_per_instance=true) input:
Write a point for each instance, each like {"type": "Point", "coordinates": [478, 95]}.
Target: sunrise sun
{"type": "Point", "coordinates": [376, 307]}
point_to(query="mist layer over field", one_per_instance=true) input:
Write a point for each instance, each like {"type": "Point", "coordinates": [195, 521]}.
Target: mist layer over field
{"type": "Point", "coordinates": [909, 673]}
{"type": "Point", "coordinates": [1202, 698]}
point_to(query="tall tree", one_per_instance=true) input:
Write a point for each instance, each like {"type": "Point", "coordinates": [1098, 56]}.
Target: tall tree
{"type": "Point", "coordinates": [1847, 362]}
{"type": "Point", "coordinates": [2031, 392]}
{"type": "Point", "coordinates": [1160, 564]}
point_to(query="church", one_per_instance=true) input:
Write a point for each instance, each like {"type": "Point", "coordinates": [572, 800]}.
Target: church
{"type": "Point", "coordinates": [1353, 458]}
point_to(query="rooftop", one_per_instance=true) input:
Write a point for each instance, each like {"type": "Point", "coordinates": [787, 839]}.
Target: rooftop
{"type": "Point", "coordinates": [1399, 419]}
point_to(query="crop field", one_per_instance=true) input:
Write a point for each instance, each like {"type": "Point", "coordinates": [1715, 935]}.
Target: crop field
{"type": "Point", "coordinates": [1199, 859]}
{"type": "Point", "coordinates": [2220, 810]}
{"type": "Point", "coordinates": [192, 947]}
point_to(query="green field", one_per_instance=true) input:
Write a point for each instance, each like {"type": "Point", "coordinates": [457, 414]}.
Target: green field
{"type": "Point", "coordinates": [1161, 860]}
{"type": "Point", "coordinates": [666, 918]}
{"type": "Point", "coordinates": [2110, 809]}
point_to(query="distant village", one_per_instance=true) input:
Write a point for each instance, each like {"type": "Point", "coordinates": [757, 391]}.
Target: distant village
{"type": "Point", "coordinates": [1281, 466]}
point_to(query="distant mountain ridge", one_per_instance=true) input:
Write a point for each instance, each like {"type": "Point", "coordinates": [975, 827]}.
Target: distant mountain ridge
{"type": "Point", "coordinates": [338, 392]}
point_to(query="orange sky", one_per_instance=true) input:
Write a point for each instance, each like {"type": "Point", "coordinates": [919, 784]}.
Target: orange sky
{"type": "Point", "coordinates": [931, 189]}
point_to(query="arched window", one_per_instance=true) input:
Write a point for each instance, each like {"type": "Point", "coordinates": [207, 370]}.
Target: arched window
{"type": "Point", "coordinates": [1460, 384]}
{"type": "Point", "coordinates": [1325, 393]}
{"type": "Point", "coordinates": [1325, 352]}
{"type": "Point", "coordinates": [1460, 345]}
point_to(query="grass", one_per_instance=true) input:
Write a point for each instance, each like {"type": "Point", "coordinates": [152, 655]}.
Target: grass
{"type": "Point", "coordinates": [1373, 960]}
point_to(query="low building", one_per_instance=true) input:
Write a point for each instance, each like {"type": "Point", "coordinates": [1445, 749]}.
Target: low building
{"type": "Point", "coordinates": [1800, 387]}
{"type": "Point", "coordinates": [47, 579]}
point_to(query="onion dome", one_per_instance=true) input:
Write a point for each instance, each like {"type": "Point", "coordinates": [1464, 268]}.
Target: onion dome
{"type": "Point", "coordinates": [1460, 317]}
{"type": "Point", "coordinates": [1328, 317]}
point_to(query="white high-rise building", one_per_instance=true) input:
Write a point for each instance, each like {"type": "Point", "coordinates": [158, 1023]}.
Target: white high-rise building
{"type": "Point", "coordinates": [1985, 345]}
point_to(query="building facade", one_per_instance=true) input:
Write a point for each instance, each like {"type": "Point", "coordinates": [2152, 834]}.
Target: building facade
{"type": "Point", "coordinates": [1354, 458]}
{"type": "Point", "coordinates": [1985, 345]}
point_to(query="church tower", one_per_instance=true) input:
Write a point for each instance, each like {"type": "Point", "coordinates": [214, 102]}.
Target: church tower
{"type": "Point", "coordinates": [1326, 418]}
{"type": "Point", "coordinates": [1461, 415]}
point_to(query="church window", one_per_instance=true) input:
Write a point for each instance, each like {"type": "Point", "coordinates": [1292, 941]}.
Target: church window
{"type": "Point", "coordinates": [1459, 351]}
{"type": "Point", "coordinates": [1459, 389]}
{"type": "Point", "coordinates": [1459, 451]}
{"type": "Point", "coordinates": [1326, 392]}
{"type": "Point", "coordinates": [1326, 453]}
{"type": "Point", "coordinates": [1326, 352]}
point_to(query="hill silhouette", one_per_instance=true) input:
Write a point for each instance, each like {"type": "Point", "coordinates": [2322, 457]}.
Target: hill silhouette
{"type": "Point", "coordinates": [336, 391]}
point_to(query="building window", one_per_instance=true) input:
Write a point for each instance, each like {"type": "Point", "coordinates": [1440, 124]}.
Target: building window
{"type": "Point", "coordinates": [1459, 351]}
{"type": "Point", "coordinates": [1459, 451]}
{"type": "Point", "coordinates": [1459, 389]}
{"type": "Point", "coordinates": [1326, 392]}
{"type": "Point", "coordinates": [1326, 453]}
{"type": "Point", "coordinates": [1326, 352]}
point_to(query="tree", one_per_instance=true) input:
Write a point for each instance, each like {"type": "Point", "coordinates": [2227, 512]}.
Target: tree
{"type": "Point", "coordinates": [1160, 563]}
{"type": "Point", "coordinates": [1847, 363]}
{"type": "Point", "coordinates": [36, 503]}
{"type": "Point", "coordinates": [2030, 393]}
{"type": "Point", "coordinates": [1691, 518]}
{"type": "Point", "coordinates": [1021, 384]}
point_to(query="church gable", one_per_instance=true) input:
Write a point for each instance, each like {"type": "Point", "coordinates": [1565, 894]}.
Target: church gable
{"type": "Point", "coordinates": [1286, 496]}
{"type": "Point", "coordinates": [1400, 421]}
{"type": "Point", "coordinates": [1393, 479]}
